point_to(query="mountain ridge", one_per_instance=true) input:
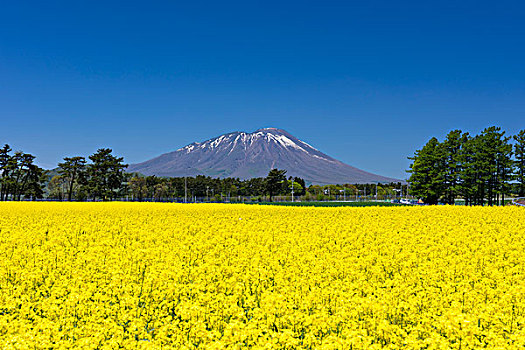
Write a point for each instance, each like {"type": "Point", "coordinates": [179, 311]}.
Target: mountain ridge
{"type": "Point", "coordinates": [245, 155]}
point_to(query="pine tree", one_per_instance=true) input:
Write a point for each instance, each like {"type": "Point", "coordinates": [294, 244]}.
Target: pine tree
{"type": "Point", "coordinates": [427, 175]}
{"type": "Point", "coordinates": [495, 164]}
{"type": "Point", "coordinates": [519, 152]}
{"type": "Point", "coordinates": [5, 159]}
{"type": "Point", "coordinates": [451, 148]}
{"type": "Point", "coordinates": [71, 170]}
{"type": "Point", "coordinates": [274, 182]}
{"type": "Point", "coordinates": [468, 174]}
{"type": "Point", "coordinates": [105, 175]}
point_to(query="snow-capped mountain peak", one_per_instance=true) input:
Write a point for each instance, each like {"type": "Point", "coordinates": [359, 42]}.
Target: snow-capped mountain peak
{"type": "Point", "coordinates": [246, 155]}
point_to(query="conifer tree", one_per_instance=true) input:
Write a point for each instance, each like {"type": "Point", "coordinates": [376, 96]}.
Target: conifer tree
{"type": "Point", "coordinates": [72, 171]}
{"type": "Point", "coordinates": [274, 182]}
{"type": "Point", "coordinates": [519, 152]}
{"type": "Point", "coordinates": [451, 148]}
{"type": "Point", "coordinates": [105, 175]}
{"type": "Point", "coordinates": [427, 175]}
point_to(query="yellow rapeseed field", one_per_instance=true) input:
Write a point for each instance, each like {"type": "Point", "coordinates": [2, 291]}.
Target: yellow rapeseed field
{"type": "Point", "coordinates": [172, 276]}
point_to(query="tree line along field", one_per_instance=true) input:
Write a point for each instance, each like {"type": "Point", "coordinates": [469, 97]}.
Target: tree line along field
{"type": "Point", "coordinates": [481, 169]}
{"type": "Point", "coordinates": [102, 177]}
{"type": "Point", "coordinates": [332, 204]}
{"type": "Point", "coordinates": [212, 276]}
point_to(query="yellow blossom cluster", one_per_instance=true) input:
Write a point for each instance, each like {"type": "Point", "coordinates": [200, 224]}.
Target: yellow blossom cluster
{"type": "Point", "coordinates": [212, 276]}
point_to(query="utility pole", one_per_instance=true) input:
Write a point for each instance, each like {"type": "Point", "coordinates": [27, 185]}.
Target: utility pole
{"type": "Point", "coordinates": [376, 190]}
{"type": "Point", "coordinates": [292, 190]}
{"type": "Point", "coordinates": [185, 190]}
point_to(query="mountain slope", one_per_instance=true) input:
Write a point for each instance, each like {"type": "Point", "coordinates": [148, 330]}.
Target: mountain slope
{"type": "Point", "coordinates": [246, 155]}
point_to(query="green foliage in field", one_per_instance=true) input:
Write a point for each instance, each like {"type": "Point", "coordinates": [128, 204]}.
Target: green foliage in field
{"type": "Point", "coordinates": [332, 204]}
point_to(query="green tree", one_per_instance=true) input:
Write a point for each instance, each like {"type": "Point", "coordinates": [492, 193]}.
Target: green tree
{"type": "Point", "coordinates": [274, 182]}
{"type": "Point", "coordinates": [20, 166]}
{"type": "Point", "coordinates": [20, 177]}
{"type": "Point", "coordinates": [316, 191]}
{"type": "Point", "coordinates": [28, 177]}
{"type": "Point", "coordinates": [33, 186]}
{"type": "Point", "coordinates": [519, 153]}
{"type": "Point", "coordinates": [298, 189]}
{"type": "Point", "coordinates": [255, 186]}
{"type": "Point", "coordinates": [427, 178]}
{"type": "Point", "coordinates": [151, 182]}
{"type": "Point", "coordinates": [57, 188]}
{"type": "Point", "coordinates": [160, 190]}
{"type": "Point", "coordinates": [72, 170]}
{"type": "Point", "coordinates": [5, 162]}
{"type": "Point", "coordinates": [105, 176]}
{"type": "Point", "coordinates": [505, 168]}
{"type": "Point", "coordinates": [138, 187]}
{"type": "Point", "coordinates": [301, 182]}
{"type": "Point", "coordinates": [451, 148]}
{"type": "Point", "coordinates": [469, 174]}
{"type": "Point", "coordinates": [493, 161]}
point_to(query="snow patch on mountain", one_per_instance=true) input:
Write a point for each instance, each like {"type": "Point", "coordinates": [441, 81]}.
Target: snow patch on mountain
{"type": "Point", "coordinates": [247, 155]}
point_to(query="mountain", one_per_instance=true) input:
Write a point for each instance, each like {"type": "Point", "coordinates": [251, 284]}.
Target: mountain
{"type": "Point", "coordinates": [246, 155]}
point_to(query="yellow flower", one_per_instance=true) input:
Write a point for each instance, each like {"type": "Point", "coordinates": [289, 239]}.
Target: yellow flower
{"type": "Point", "coordinates": [173, 276]}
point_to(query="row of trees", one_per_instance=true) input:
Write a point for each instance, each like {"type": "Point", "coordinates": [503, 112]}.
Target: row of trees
{"type": "Point", "coordinates": [481, 169]}
{"type": "Point", "coordinates": [161, 188]}
{"type": "Point", "coordinates": [276, 183]}
{"type": "Point", "coordinates": [19, 176]}
{"type": "Point", "coordinates": [102, 176]}
{"type": "Point", "coordinates": [75, 178]}
{"type": "Point", "coordinates": [101, 179]}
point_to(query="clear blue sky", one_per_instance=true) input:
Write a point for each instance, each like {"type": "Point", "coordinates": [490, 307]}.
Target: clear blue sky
{"type": "Point", "coordinates": [367, 82]}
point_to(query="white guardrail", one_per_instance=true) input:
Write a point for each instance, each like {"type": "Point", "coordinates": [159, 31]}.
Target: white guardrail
{"type": "Point", "coordinates": [516, 201]}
